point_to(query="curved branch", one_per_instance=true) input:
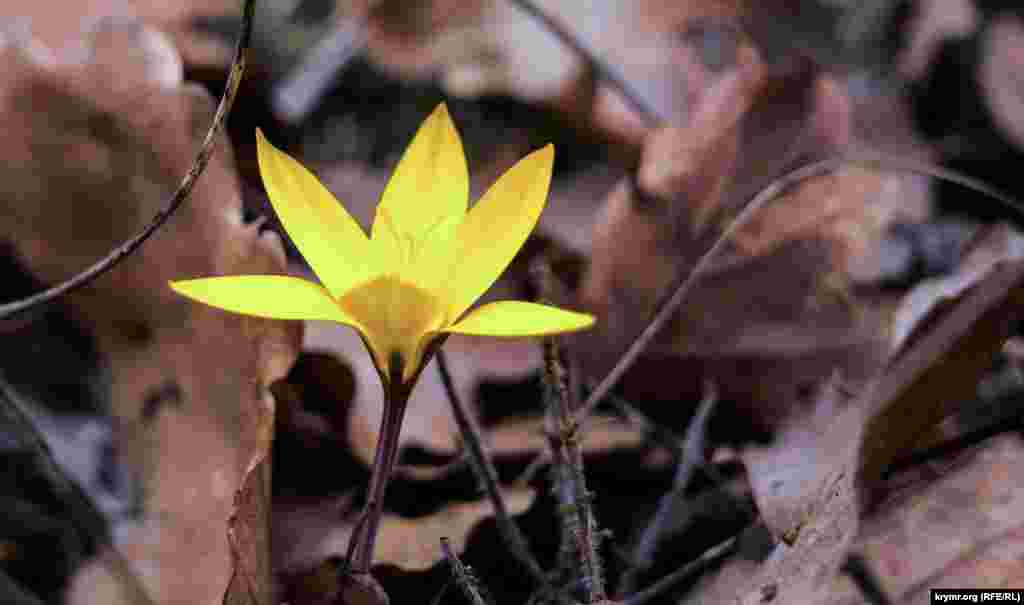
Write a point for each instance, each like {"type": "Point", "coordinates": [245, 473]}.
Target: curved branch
{"type": "Point", "coordinates": [684, 283]}
{"type": "Point", "coordinates": [117, 255]}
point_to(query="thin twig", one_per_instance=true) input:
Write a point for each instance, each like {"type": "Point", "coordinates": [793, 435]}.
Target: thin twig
{"type": "Point", "coordinates": [601, 69]}
{"type": "Point", "coordinates": [697, 566]}
{"type": "Point", "coordinates": [483, 467]}
{"type": "Point", "coordinates": [84, 515]}
{"type": "Point", "coordinates": [108, 262]}
{"type": "Point", "coordinates": [464, 577]}
{"type": "Point", "coordinates": [692, 458]}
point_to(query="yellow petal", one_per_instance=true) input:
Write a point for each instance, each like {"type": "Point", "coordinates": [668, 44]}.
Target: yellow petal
{"type": "Point", "coordinates": [517, 318]}
{"type": "Point", "coordinates": [328, 237]}
{"type": "Point", "coordinates": [431, 181]}
{"type": "Point", "coordinates": [271, 296]}
{"type": "Point", "coordinates": [498, 225]}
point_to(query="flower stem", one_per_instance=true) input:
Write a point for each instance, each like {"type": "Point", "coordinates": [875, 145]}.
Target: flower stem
{"type": "Point", "coordinates": [396, 397]}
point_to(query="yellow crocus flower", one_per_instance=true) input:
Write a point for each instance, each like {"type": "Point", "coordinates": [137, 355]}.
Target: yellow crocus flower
{"type": "Point", "coordinates": [413, 280]}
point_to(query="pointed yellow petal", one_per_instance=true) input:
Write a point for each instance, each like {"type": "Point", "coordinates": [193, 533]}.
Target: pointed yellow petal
{"type": "Point", "coordinates": [517, 318]}
{"type": "Point", "coordinates": [328, 237]}
{"type": "Point", "coordinates": [271, 296]}
{"type": "Point", "coordinates": [498, 225]}
{"type": "Point", "coordinates": [431, 181]}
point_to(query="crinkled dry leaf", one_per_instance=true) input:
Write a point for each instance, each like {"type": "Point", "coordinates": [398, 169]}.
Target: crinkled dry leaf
{"type": "Point", "coordinates": [310, 531]}
{"type": "Point", "coordinates": [480, 47]}
{"type": "Point", "coordinates": [428, 422]}
{"type": "Point", "coordinates": [805, 489]}
{"type": "Point", "coordinates": [96, 147]}
{"type": "Point", "coordinates": [935, 22]}
{"type": "Point", "coordinates": [957, 528]}
{"type": "Point", "coordinates": [1001, 77]}
{"type": "Point", "coordinates": [776, 311]}
{"type": "Point", "coordinates": [58, 25]}
{"type": "Point", "coordinates": [945, 335]}
{"type": "Point", "coordinates": [810, 478]}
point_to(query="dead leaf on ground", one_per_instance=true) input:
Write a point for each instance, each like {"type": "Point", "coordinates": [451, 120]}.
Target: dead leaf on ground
{"type": "Point", "coordinates": [777, 310]}
{"type": "Point", "coordinates": [957, 528]}
{"type": "Point", "coordinates": [429, 424]}
{"type": "Point", "coordinates": [827, 457]}
{"type": "Point", "coordinates": [1001, 75]}
{"type": "Point", "coordinates": [805, 490]}
{"type": "Point", "coordinates": [309, 531]}
{"type": "Point", "coordinates": [96, 148]}
{"type": "Point", "coordinates": [946, 334]}
{"type": "Point", "coordinates": [60, 25]}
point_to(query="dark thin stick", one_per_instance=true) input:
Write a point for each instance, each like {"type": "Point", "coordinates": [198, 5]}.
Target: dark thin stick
{"type": "Point", "coordinates": [487, 475]}
{"type": "Point", "coordinates": [464, 577]}
{"type": "Point", "coordinates": [857, 569]}
{"type": "Point", "coordinates": [83, 512]}
{"type": "Point", "coordinates": [957, 444]}
{"type": "Point", "coordinates": [692, 458]}
{"type": "Point", "coordinates": [601, 69]}
{"type": "Point", "coordinates": [108, 262]}
{"type": "Point", "coordinates": [697, 566]}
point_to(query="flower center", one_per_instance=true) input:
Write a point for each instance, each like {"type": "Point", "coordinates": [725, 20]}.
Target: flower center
{"type": "Point", "coordinates": [397, 318]}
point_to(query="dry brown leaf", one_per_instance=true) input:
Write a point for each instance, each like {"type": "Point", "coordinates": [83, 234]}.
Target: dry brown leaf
{"type": "Point", "coordinates": [310, 531]}
{"type": "Point", "coordinates": [946, 333]}
{"type": "Point", "coordinates": [957, 528]}
{"type": "Point", "coordinates": [523, 439]}
{"type": "Point", "coordinates": [454, 522]}
{"type": "Point", "coordinates": [826, 454]}
{"type": "Point", "coordinates": [480, 47]}
{"type": "Point", "coordinates": [805, 489]}
{"type": "Point", "coordinates": [1001, 75]}
{"type": "Point", "coordinates": [97, 146]}
{"type": "Point", "coordinates": [428, 422]}
{"type": "Point", "coordinates": [776, 312]}
{"type": "Point", "coordinates": [934, 22]}
{"type": "Point", "coordinates": [58, 25]}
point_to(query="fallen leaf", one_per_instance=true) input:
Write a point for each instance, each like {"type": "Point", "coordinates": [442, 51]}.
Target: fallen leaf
{"type": "Point", "coordinates": [777, 310]}
{"type": "Point", "coordinates": [806, 492]}
{"type": "Point", "coordinates": [960, 524]}
{"type": "Point", "coordinates": [311, 530]}
{"type": "Point", "coordinates": [1001, 75]}
{"type": "Point", "coordinates": [945, 336]}
{"type": "Point", "coordinates": [97, 147]}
